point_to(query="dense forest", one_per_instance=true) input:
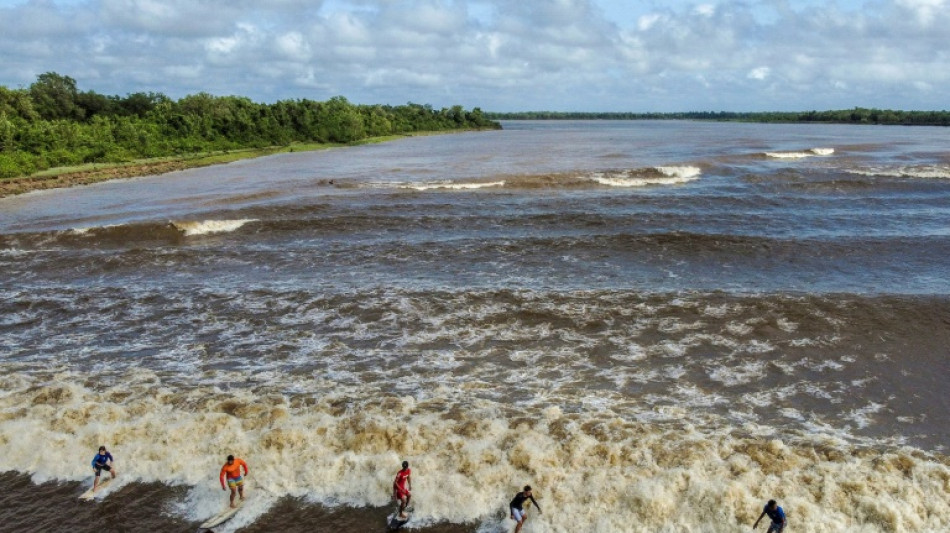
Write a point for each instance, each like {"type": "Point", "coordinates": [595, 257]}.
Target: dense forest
{"type": "Point", "coordinates": [52, 124]}
{"type": "Point", "coordinates": [847, 116]}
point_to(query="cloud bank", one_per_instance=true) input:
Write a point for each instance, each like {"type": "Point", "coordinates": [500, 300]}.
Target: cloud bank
{"type": "Point", "coordinates": [502, 55]}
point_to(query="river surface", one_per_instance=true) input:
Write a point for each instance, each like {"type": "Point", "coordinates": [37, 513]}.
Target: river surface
{"type": "Point", "coordinates": [658, 325]}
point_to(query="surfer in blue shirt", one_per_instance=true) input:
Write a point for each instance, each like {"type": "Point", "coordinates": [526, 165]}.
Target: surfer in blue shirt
{"type": "Point", "coordinates": [102, 461]}
{"type": "Point", "coordinates": [776, 514]}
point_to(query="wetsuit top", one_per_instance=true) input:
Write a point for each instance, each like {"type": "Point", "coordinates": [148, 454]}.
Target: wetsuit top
{"type": "Point", "coordinates": [520, 498]}
{"type": "Point", "coordinates": [100, 460]}
{"type": "Point", "coordinates": [233, 471]}
{"type": "Point", "coordinates": [777, 516]}
{"type": "Point", "coordinates": [401, 477]}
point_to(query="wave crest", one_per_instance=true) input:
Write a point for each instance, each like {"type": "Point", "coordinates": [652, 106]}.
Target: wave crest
{"type": "Point", "coordinates": [206, 227]}
{"type": "Point", "coordinates": [801, 155]}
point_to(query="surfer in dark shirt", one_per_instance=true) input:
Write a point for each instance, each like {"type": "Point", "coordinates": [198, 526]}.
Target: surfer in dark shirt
{"type": "Point", "coordinates": [102, 461]}
{"type": "Point", "coordinates": [518, 513]}
{"type": "Point", "coordinates": [776, 514]}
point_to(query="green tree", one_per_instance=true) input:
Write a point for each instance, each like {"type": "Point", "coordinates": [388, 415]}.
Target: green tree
{"type": "Point", "coordinates": [55, 97]}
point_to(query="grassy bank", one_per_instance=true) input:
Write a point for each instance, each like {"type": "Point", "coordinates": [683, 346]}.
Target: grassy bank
{"type": "Point", "coordinates": [96, 172]}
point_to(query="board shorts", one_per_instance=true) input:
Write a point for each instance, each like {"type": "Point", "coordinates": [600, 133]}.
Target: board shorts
{"type": "Point", "coordinates": [99, 469]}
{"type": "Point", "coordinates": [776, 528]}
{"type": "Point", "coordinates": [400, 493]}
{"type": "Point", "coordinates": [519, 514]}
{"type": "Point", "coordinates": [235, 482]}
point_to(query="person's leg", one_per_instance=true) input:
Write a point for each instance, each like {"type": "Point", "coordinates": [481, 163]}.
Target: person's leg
{"type": "Point", "coordinates": [241, 490]}
{"type": "Point", "coordinates": [520, 523]}
{"type": "Point", "coordinates": [403, 502]}
{"type": "Point", "coordinates": [233, 492]}
{"type": "Point", "coordinates": [95, 483]}
{"type": "Point", "coordinates": [520, 517]}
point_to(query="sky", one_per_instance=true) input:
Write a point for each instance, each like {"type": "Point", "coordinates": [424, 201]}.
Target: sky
{"type": "Point", "coordinates": [499, 55]}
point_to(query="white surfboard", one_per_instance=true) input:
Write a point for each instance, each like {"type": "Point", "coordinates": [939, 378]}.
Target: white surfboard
{"type": "Point", "coordinates": [90, 494]}
{"type": "Point", "coordinates": [223, 516]}
{"type": "Point", "coordinates": [393, 522]}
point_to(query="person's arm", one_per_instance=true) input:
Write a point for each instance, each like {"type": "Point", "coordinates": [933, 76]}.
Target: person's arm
{"type": "Point", "coordinates": [109, 459]}
{"type": "Point", "coordinates": [222, 479]}
{"type": "Point", "coordinates": [409, 482]}
{"type": "Point", "coordinates": [94, 462]}
{"type": "Point", "coordinates": [536, 504]}
{"type": "Point", "coordinates": [245, 467]}
{"type": "Point", "coordinates": [756, 524]}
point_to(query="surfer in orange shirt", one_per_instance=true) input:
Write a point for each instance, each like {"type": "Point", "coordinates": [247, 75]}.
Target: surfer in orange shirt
{"type": "Point", "coordinates": [232, 470]}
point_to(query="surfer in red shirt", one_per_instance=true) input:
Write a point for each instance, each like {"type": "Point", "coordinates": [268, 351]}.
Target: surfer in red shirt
{"type": "Point", "coordinates": [402, 487]}
{"type": "Point", "coordinates": [232, 470]}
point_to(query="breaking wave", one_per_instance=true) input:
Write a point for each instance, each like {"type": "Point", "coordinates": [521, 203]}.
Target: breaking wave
{"type": "Point", "coordinates": [941, 172]}
{"type": "Point", "coordinates": [207, 227]}
{"type": "Point", "coordinates": [671, 175]}
{"type": "Point", "coordinates": [800, 155]}
{"type": "Point", "coordinates": [342, 447]}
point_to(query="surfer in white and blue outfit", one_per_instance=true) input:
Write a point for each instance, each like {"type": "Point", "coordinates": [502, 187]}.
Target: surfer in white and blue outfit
{"type": "Point", "coordinates": [518, 513]}
{"type": "Point", "coordinates": [102, 461]}
{"type": "Point", "coordinates": [776, 514]}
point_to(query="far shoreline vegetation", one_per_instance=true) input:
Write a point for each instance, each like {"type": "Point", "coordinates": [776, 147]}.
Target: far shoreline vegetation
{"type": "Point", "coordinates": [53, 135]}
{"type": "Point", "coordinates": [858, 115]}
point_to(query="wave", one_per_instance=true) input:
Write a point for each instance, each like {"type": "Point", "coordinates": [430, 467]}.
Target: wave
{"type": "Point", "coordinates": [637, 177]}
{"type": "Point", "coordinates": [208, 227]}
{"type": "Point", "coordinates": [455, 186]}
{"type": "Point", "coordinates": [800, 155]}
{"type": "Point", "coordinates": [913, 172]}
{"type": "Point", "coordinates": [662, 175]}
{"type": "Point", "coordinates": [341, 445]}
{"type": "Point", "coordinates": [132, 233]}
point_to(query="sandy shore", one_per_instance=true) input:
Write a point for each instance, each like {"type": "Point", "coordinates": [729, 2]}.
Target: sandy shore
{"type": "Point", "coordinates": [93, 173]}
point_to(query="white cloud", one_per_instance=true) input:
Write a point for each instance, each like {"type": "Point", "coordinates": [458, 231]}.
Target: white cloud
{"type": "Point", "coordinates": [646, 22]}
{"type": "Point", "coordinates": [706, 10]}
{"type": "Point", "coordinates": [759, 73]}
{"type": "Point", "coordinates": [497, 54]}
{"type": "Point", "coordinates": [925, 10]}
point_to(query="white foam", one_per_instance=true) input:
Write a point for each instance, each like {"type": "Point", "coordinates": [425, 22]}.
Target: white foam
{"type": "Point", "coordinates": [469, 455]}
{"type": "Point", "coordinates": [683, 172]}
{"type": "Point", "coordinates": [801, 155]}
{"type": "Point", "coordinates": [669, 175]}
{"type": "Point", "coordinates": [738, 375]}
{"type": "Point", "coordinates": [913, 172]}
{"type": "Point", "coordinates": [207, 227]}
{"type": "Point", "coordinates": [456, 186]}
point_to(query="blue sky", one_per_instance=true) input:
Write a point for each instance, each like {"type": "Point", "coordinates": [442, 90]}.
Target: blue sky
{"type": "Point", "coordinates": [504, 55]}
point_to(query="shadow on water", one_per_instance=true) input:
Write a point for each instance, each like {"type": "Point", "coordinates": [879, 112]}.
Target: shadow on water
{"type": "Point", "coordinates": [54, 506]}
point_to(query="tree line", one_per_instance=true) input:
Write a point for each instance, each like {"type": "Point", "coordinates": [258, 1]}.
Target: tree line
{"type": "Point", "coordinates": [857, 115]}
{"type": "Point", "coordinates": [52, 124]}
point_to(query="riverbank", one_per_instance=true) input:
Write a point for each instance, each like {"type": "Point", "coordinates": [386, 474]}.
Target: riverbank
{"type": "Point", "coordinates": [73, 176]}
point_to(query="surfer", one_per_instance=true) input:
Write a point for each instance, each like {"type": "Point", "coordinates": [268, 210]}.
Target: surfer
{"type": "Point", "coordinates": [102, 461]}
{"type": "Point", "coordinates": [402, 487]}
{"type": "Point", "coordinates": [518, 513]}
{"type": "Point", "coordinates": [232, 470]}
{"type": "Point", "coordinates": [776, 514]}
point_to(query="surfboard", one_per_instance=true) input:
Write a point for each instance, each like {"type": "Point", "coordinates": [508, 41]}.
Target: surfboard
{"type": "Point", "coordinates": [393, 522]}
{"type": "Point", "coordinates": [89, 495]}
{"type": "Point", "coordinates": [222, 517]}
